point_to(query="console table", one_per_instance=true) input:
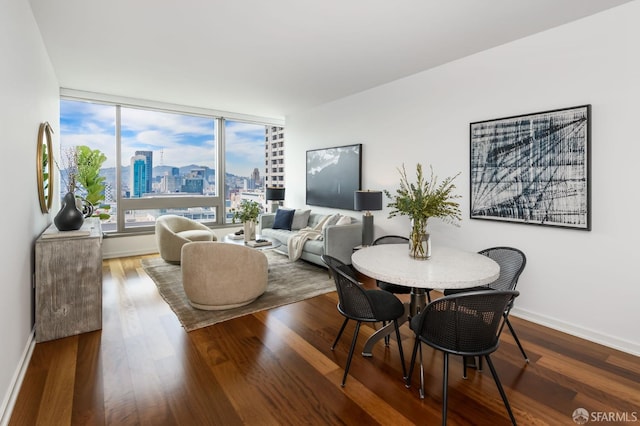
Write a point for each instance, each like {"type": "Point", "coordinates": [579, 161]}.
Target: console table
{"type": "Point", "coordinates": [68, 281]}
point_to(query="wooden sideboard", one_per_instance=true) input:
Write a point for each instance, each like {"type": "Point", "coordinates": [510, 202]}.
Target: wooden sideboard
{"type": "Point", "coordinates": [68, 281]}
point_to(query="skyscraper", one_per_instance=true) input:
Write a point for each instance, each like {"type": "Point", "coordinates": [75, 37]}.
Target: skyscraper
{"type": "Point", "coordinates": [255, 179]}
{"type": "Point", "coordinates": [194, 181]}
{"type": "Point", "coordinates": [138, 176]}
{"type": "Point", "coordinates": [148, 155]}
{"type": "Point", "coordinates": [274, 157]}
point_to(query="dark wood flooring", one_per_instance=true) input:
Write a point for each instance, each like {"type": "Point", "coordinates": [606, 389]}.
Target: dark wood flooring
{"type": "Point", "coordinates": [276, 368]}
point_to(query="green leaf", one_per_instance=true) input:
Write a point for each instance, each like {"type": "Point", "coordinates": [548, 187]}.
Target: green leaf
{"type": "Point", "coordinates": [89, 162]}
{"type": "Point", "coordinates": [424, 198]}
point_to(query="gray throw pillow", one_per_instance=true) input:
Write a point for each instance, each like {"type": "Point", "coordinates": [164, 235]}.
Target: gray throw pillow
{"type": "Point", "coordinates": [344, 220]}
{"type": "Point", "coordinates": [300, 219]}
{"type": "Point", "coordinates": [332, 220]}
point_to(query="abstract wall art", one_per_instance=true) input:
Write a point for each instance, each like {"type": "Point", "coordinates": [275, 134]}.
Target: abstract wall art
{"type": "Point", "coordinates": [533, 169]}
{"type": "Point", "coordinates": [333, 175]}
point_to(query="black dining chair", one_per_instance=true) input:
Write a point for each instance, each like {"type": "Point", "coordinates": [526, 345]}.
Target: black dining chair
{"type": "Point", "coordinates": [362, 305]}
{"type": "Point", "coordinates": [334, 263]}
{"type": "Point", "coordinates": [394, 288]}
{"type": "Point", "coordinates": [512, 262]}
{"type": "Point", "coordinates": [467, 324]}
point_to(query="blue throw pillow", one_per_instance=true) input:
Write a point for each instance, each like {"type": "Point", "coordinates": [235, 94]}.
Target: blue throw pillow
{"type": "Point", "coordinates": [283, 219]}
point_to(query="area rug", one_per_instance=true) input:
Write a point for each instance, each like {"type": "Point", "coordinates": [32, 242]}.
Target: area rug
{"type": "Point", "coordinates": [289, 282]}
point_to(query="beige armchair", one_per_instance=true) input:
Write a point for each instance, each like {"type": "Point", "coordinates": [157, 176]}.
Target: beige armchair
{"type": "Point", "coordinates": [173, 231]}
{"type": "Point", "coordinates": [218, 276]}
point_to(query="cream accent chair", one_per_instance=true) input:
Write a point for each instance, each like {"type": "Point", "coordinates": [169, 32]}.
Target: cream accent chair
{"type": "Point", "coordinates": [173, 231]}
{"type": "Point", "coordinates": [218, 276]}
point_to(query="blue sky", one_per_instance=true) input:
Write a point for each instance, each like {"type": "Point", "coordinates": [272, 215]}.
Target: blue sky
{"type": "Point", "coordinates": [175, 139]}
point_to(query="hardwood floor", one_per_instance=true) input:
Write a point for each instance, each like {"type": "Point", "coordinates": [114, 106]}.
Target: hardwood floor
{"type": "Point", "coordinates": [276, 368]}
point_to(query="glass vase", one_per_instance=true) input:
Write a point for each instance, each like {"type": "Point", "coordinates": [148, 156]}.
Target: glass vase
{"type": "Point", "coordinates": [249, 230]}
{"type": "Point", "coordinates": [419, 240]}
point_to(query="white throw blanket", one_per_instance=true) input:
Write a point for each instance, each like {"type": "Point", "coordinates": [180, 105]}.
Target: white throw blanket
{"type": "Point", "coordinates": [296, 242]}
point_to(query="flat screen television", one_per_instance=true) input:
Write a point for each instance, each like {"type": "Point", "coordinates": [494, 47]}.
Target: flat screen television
{"type": "Point", "coordinates": [333, 175]}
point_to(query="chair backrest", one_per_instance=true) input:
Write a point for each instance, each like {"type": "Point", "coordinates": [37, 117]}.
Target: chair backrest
{"type": "Point", "coordinates": [465, 323]}
{"type": "Point", "coordinates": [391, 239]}
{"type": "Point", "coordinates": [512, 262]}
{"type": "Point", "coordinates": [354, 302]}
{"type": "Point", "coordinates": [334, 263]}
{"type": "Point", "coordinates": [174, 223]}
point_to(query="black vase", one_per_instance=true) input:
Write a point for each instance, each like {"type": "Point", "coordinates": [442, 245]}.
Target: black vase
{"type": "Point", "coordinates": [69, 218]}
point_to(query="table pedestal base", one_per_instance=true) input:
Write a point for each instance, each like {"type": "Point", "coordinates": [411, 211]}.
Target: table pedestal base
{"type": "Point", "coordinates": [413, 308]}
{"type": "Point", "coordinates": [418, 300]}
{"type": "Point", "coordinates": [383, 332]}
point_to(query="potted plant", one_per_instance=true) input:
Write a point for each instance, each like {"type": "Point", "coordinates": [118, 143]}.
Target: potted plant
{"type": "Point", "coordinates": [85, 187]}
{"type": "Point", "coordinates": [88, 164]}
{"type": "Point", "coordinates": [247, 213]}
{"type": "Point", "coordinates": [420, 201]}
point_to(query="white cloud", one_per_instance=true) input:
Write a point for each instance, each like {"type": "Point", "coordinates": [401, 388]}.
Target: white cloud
{"type": "Point", "coordinates": [175, 139]}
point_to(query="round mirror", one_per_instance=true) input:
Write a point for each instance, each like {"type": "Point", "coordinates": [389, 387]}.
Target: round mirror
{"type": "Point", "coordinates": [43, 166]}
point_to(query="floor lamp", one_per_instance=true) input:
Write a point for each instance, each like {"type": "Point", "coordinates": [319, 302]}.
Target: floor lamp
{"type": "Point", "coordinates": [275, 195]}
{"type": "Point", "coordinates": [367, 201]}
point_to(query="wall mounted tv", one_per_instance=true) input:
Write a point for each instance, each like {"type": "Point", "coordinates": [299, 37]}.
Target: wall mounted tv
{"type": "Point", "coordinates": [333, 175]}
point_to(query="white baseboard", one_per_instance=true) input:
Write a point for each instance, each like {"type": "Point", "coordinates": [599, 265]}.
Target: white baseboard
{"type": "Point", "coordinates": [581, 332]}
{"type": "Point", "coordinates": [16, 383]}
{"type": "Point", "coordinates": [128, 253]}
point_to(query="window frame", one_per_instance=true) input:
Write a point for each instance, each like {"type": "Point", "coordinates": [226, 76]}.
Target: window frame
{"type": "Point", "coordinates": [179, 202]}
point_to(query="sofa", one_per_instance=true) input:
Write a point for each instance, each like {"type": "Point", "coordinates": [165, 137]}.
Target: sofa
{"type": "Point", "coordinates": [334, 239]}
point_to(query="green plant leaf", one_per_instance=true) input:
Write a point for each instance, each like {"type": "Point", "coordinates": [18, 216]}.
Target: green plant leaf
{"type": "Point", "coordinates": [423, 199]}
{"type": "Point", "coordinates": [89, 162]}
{"type": "Point", "coordinates": [248, 210]}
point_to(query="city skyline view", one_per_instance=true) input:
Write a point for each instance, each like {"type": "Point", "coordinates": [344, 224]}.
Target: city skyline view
{"type": "Point", "coordinates": [171, 155]}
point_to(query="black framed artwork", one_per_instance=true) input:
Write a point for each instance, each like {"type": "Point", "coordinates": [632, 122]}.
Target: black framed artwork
{"type": "Point", "coordinates": [333, 175]}
{"type": "Point", "coordinates": [533, 168]}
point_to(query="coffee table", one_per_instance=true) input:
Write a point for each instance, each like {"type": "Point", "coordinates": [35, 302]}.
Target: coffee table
{"type": "Point", "coordinates": [274, 243]}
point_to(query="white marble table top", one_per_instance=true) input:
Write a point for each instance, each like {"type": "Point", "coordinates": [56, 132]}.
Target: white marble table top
{"type": "Point", "coordinates": [448, 268]}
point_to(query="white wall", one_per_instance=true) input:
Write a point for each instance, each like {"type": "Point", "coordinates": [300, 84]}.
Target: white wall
{"type": "Point", "coordinates": [585, 283]}
{"type": "Point", "coordinates": [29, 96]}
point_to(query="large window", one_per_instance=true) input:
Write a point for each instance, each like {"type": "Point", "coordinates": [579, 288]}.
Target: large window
{"type": "Point", "coordinates": [244, 156]}
{"type": "Point", "coordinates": [167, 162]}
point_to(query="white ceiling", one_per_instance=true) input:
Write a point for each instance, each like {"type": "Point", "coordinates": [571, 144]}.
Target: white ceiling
{"type": "Point", "coordinates": [274, 57]}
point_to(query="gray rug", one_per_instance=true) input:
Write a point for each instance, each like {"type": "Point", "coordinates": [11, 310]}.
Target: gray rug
{"type": "Point", "coordinates": [289, 282]}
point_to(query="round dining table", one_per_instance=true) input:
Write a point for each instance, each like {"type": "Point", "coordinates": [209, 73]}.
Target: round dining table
{"type": "Point", "coordinates": [447, 268]}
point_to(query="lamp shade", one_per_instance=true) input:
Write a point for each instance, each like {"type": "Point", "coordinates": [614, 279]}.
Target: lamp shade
{"type": "Point", "coordinates": [274, 194]}
{"type": "Point", "coordinates": [367, 200]}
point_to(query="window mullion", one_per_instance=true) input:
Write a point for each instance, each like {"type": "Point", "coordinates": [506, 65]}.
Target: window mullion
{"type": "Point", "coordinates": [220, 179]}
{"type": "Point", "coordinates": [120, 221]}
